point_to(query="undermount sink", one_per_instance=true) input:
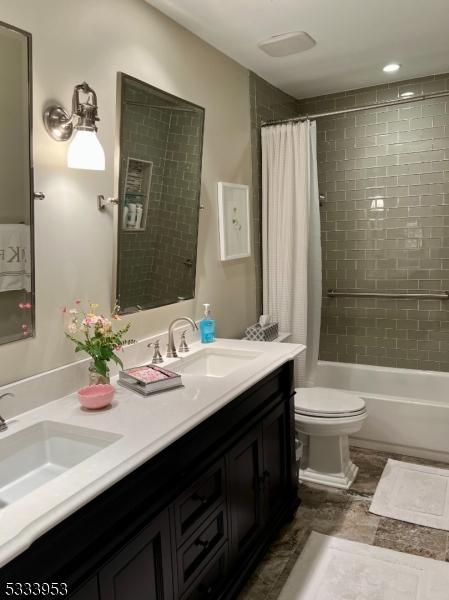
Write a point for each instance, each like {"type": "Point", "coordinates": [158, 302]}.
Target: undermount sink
{"type": "Point", "coordinates": [214, 362]}
{"type": "Point", "coordinates": [34, 456]}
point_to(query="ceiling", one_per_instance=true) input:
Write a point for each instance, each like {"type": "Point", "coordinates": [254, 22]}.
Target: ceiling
{"type": "Point", "coordinates": [354, 38]}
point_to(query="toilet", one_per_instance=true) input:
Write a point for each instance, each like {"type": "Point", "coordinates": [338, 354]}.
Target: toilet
{"type": "Point", "coordinates": [324, 418]}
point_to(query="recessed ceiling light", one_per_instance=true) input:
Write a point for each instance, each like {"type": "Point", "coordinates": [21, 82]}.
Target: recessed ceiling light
{"type": "Point", "coordinates": [407, 94]}
{"type": "Point", "coordinates": [391, 68]}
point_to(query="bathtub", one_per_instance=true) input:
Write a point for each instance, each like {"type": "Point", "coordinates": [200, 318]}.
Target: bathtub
{"type": "Point", "coordinates": [408, 410]}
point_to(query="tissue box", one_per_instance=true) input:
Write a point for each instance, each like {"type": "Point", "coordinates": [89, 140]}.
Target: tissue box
{"type": "Point", "coordinates": [257, 333]}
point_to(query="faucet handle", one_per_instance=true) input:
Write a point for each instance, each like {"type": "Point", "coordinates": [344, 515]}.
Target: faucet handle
{"type": "Point", "coordinates": [157, 356]}
{"type": "Point", "coordinates": [3, 424]}
{"type": "Point", "coordinates": [183, 347]}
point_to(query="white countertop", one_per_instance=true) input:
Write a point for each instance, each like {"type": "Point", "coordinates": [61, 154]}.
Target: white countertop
{"type": "Point", "coordinates": [147, 426]}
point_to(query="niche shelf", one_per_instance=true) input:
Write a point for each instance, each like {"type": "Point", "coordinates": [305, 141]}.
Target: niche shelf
{"type": "Point", "coordinates": [136, 192]}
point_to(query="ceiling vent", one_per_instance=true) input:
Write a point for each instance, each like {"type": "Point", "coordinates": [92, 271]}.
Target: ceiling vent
{"type": "Point", "coordinates": [286, 44]}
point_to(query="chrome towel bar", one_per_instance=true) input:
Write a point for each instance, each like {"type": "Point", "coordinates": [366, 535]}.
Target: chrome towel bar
{"type": "Point", "coordinates": [334, 294]}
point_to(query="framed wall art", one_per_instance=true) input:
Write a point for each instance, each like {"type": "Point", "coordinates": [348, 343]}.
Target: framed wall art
{"type": "Point", "coordinates": [234, 221]}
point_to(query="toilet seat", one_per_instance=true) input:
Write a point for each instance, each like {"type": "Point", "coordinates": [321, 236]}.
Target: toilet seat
{"type": "Point", "coordinates": [326, 403]}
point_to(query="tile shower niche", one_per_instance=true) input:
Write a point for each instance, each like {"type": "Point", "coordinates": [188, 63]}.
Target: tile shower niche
{"type": "Point", "coordinates": [136, 194]}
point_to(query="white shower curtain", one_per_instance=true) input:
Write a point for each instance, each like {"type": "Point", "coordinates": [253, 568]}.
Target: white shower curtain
{"type": "Point", "coordinates": [291, 247]}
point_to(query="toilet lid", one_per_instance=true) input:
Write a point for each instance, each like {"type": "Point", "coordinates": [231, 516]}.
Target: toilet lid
{"type": "Point", "coordinates": [328, 402]}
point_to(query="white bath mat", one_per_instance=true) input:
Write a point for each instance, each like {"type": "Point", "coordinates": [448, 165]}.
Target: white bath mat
{"type": "Point", "coordinates": [331, 568]}
{"type": "Point", "coordinates": [413, 493]}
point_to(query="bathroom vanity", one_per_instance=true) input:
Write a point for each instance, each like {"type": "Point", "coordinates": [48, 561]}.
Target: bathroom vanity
{"type": "Point", "coordinates": [183, 501]}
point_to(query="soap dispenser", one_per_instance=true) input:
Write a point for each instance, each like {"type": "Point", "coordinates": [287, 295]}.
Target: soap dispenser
{"type": "Point", "coordinates": [207, 326]}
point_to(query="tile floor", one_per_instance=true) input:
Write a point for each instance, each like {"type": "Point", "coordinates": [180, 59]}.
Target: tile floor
{"type": "Point", "coordinates": [344, 514]}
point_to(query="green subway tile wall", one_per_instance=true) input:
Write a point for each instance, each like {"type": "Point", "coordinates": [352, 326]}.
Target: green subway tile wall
{"type": "Point", "coordinates": [385, 225]}
{"type": "Point", "coordinates": [157, 266]}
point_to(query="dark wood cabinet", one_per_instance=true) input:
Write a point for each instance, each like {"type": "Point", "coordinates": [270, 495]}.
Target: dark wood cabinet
{"type": "Point", "coordinates": [192, 522]}
{"type": "Point", "coordinates": [257, 478]}
{"type": "Point", "coordinates": [88, 591]}
{"type": "Point", "coordinates": [245, 475]}
{"type": "Point", "coordinates": [275, 459]}
{"type": "Point", "coordinates": [212, 578]}
{"type": "Point", "coordinates": [142, 570]}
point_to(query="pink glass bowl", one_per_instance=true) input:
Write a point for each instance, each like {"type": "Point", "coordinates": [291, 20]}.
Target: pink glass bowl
{"type": "Point", "coordinates": [95, 397]}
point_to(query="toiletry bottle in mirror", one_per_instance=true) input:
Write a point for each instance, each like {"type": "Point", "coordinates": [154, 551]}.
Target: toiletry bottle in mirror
{"type": "Point", "coordinates": [207, 326]}
{"type": "Point", "coordinates": [125, 217]}
{"type": "Point", "coordinates": [132, 213]}
{"type": "Point", "coordinates": [139, 213]}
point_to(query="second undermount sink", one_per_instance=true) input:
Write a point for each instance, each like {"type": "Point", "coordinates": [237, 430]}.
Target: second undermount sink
{"type": "Point", "coordinates": [214, 362]}
{"type": "Point", "coordinates": [34, 456]}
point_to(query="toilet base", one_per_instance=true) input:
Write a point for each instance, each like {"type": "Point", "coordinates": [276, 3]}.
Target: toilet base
{"type": "Point", "coordinates": [342, 480]}
{"type": "Point", "coordinates": [327, 462]}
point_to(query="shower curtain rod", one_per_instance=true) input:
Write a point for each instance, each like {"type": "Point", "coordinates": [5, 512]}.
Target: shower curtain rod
{"type": "Point", "coordinates": [344, 111]}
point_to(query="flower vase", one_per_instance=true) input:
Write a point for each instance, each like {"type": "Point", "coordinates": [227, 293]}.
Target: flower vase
{"type": "Point", "coordinates": [96, 378]}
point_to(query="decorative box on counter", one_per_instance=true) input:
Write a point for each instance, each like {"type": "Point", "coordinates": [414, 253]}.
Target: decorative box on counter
{"type": "Point", "coordinates": [262, 333]}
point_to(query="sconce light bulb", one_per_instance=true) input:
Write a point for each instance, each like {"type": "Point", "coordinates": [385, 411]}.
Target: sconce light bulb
{"type": "Point", "coordinates": [86, 152]}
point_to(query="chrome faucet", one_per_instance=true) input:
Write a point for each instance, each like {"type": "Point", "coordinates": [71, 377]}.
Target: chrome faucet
{"type": "Point", "coordinates": [171, 348]}
{"type": "Point", "coordinates": [3, 425]}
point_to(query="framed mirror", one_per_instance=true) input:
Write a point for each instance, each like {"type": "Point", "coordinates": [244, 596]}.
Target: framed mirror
{"type": "Point", "coordinates": [16, 187]}
{"type": "Point", "coordinates": [161, 139]}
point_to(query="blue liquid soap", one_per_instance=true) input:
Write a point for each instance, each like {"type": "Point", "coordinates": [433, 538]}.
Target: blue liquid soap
{"type": "Point", "coordinates": [207, 326]}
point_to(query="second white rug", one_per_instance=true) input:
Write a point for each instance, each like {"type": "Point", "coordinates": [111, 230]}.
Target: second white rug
{"type": "Point", "coordinates": [331, 568]}
{"type": "Point", "coordinates": [413, 493]}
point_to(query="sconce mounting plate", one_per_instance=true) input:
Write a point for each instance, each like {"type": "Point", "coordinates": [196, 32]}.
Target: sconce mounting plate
{"type": "Point", "coordinates": [58, 123]}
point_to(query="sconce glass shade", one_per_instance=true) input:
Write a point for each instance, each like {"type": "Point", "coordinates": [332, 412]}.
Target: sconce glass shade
{"type": "Point", "coordinates": [86, 152]}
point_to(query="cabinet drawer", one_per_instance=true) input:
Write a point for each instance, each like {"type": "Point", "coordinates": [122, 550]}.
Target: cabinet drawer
{"type": "Point", "coordinates": [197, 551]}
{"type": "Point", "coordinates": [198, 501]}
{"type": "Point", "coordinates": [211, 579]}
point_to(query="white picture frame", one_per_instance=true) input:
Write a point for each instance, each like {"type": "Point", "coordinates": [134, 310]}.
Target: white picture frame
{"type": "Point", "coordinates": [234, 221]}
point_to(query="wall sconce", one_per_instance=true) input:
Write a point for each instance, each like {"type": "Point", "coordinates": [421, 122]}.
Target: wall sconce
{"type": "Point", "coordinates": [85, 150]}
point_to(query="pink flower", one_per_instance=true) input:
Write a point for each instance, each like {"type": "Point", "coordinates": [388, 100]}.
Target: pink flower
{"type": "Point", "coordinates": [21, 305]}
{"type": "Point", "coordinates": [77, 301]}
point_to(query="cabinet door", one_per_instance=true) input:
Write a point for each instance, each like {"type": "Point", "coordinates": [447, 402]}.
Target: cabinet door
{"type": "Point", "coordinates": [89, 591]}
{"type": "Point", "coordinates": [275, 463]}
{"type": "Point", "coordinates": [245, 472]}
{"type": "Point", "coordinates": [142, 570]}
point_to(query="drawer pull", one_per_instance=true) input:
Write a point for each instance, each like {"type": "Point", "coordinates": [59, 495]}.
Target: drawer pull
{"type": "Point", "coordinates": [199, 498]}
{"type": "Point", "coordinates": [205, 591]}
{"type": "Point", "coordinates": [203, 543]}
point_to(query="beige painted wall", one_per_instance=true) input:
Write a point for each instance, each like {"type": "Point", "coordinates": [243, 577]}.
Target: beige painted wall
{"type": "Point", "coordinates": [82, 40]}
